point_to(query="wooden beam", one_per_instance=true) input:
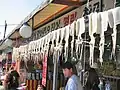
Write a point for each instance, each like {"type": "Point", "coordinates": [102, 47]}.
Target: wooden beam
{"type": "Point", "coordinates": [69, 2]}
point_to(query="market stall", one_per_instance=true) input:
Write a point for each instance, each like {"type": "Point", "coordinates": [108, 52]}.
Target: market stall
{"type": "Point", "coordinates": [76, 34]}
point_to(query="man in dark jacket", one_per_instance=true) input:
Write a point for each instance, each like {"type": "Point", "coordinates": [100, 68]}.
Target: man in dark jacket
{"type": "Point", "coordinates": [92, 79]}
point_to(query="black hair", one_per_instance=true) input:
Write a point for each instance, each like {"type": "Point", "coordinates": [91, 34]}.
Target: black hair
{"type": "Point", "coordinates": [67, 65]}
{"type": "Point", "coordinates": [13, 79]}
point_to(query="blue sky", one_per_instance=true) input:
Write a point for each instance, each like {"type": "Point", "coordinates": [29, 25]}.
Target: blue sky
{"type": "Point", "coordinates": [14, 11]}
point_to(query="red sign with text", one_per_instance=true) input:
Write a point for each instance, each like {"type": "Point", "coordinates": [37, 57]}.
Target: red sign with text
{"type": "Point", "coordinates": [44, 73]}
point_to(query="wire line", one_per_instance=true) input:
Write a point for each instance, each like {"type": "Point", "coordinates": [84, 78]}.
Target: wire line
{"type": "Point", "coordinates": [8, 25]}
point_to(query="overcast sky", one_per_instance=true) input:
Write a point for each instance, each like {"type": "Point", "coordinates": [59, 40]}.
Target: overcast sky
{"type": "Point", "coordinates": [14, 11]}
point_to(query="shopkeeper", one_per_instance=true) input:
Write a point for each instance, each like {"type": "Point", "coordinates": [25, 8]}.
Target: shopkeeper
{"type": "Point", "coordinates": [73, 82]}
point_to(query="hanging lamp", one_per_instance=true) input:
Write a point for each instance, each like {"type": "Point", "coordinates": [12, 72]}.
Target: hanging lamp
{"type": "Point", "coordinates": [25, 31]}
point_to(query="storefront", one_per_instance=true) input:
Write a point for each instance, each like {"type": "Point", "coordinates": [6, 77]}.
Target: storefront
{"type": "Point", "coordinates": [58, 36]}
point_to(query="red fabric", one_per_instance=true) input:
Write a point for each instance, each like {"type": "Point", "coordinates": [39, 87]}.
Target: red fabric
{"type": "Point", "coordinates": [44, 71]}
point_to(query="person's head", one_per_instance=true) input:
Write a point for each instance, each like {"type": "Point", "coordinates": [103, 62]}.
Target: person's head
{"type": "Point", "coordinates": [40, 65]}
{"type": "Point", "coordinates": [67, 69]}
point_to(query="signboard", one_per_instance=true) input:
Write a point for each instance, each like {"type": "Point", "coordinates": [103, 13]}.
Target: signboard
{"type": "Point", "coordinates": [54, 25]}
{"type": "Point", "coordinates": [44, 73]}
{"type": "Point", "coordinates": [64, 20]}
{"type": "Point", "coordinates": [94, 5]}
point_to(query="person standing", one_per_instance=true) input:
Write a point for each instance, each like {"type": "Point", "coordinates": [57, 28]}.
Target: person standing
{"type": "Point", "coordinates": [73, 82]}
{"type": "Point", "coordinates": [12, 79]}
{"type": "Point", "coordinates": [91, 78]}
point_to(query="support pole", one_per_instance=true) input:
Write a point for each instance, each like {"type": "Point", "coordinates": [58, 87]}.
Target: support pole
{"type": "Point", "coordinates": [55, 74]}
{"type": "Point", "coordinates": [101, 5]}
{"type": "Point", "coordinates": [5, 30]}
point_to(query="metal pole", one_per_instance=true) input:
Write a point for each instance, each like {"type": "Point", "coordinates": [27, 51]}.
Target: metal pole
{"type": "Point", "coordinates": [5, 29]}
{"type": "Point", "coordinates": [101, 5]}
{"type": "Point", "coordinates": [55, 75]}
